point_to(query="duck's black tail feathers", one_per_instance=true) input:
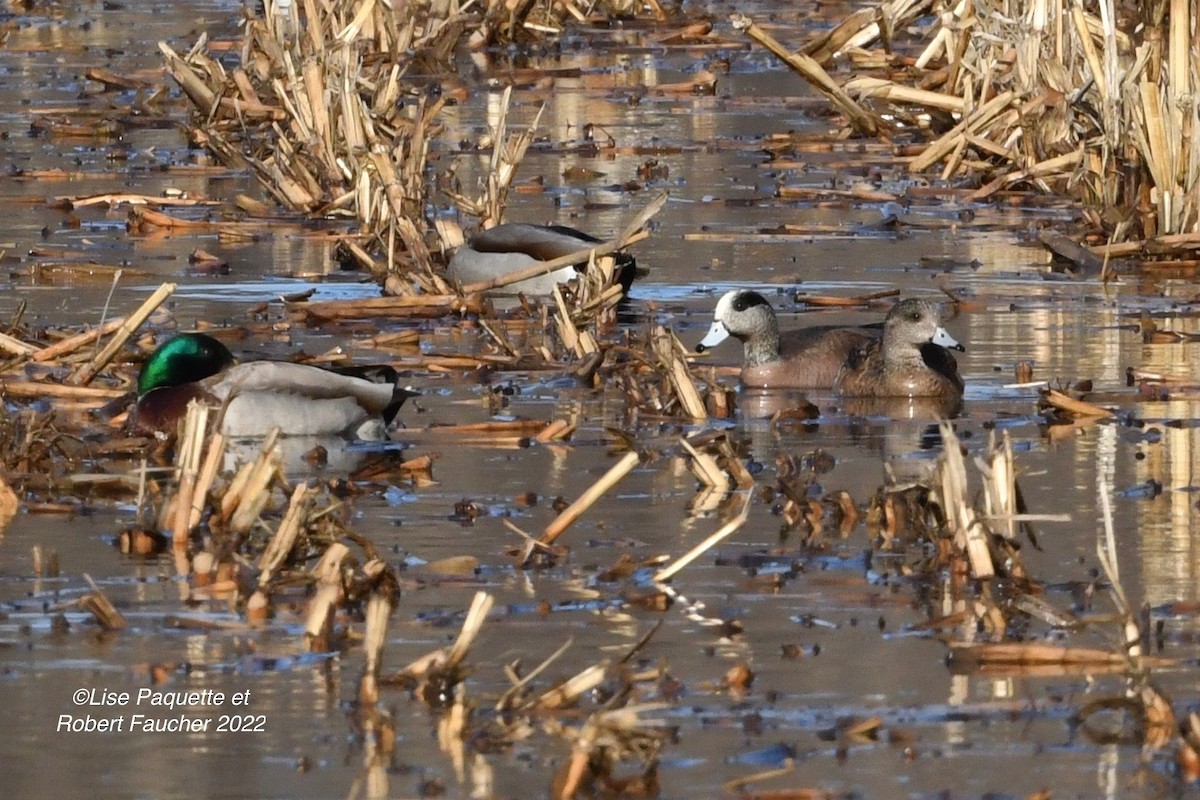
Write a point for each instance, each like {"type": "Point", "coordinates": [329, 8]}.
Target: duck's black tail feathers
{"type": "Point", "coordinates": [382, 373]}
{"type": "Point", "coordinates": [376, 373]}
{"type": "Point", "coordinates": [399, 395]}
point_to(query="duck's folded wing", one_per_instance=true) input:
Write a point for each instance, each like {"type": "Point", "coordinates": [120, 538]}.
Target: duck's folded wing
{"type": "Point", "coordinates": [543, 243]}
{"type": "Point", "coordinates": [303, 380]}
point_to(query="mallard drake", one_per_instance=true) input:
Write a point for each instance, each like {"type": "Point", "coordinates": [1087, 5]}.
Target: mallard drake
{"type": "Point", "coordinates": [515, 246]}
{"type": "Point", "coordinates": [912, 359]}
{"type": "Point", "coordinates": [299, 399]}
{"type": "Point", "coordinates": [808, 358]}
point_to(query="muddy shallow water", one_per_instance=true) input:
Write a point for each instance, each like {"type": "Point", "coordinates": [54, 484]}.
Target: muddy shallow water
{"type": "Point", "coordinates": [851, 617]}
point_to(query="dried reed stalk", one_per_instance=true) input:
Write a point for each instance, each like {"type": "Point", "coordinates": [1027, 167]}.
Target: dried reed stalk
{"type": "Point", "coordinates": [85, 374]}
{"type": "Point", "coordinates": [249, 492]}
{"type": "Point", "coordinates": [969, 532]}
{"type": "Point", "coordinates": [314, 111]}
{"type": "Point", "coordinates": [188, 457]}
{"type": "Point", "coordinates": [507, 154]}
{"type": "Point", "coordinates": [208, 473]}
{"type": "Point", "coordinates": [481, 606]}
{"type": "Point", "coordinates": [285, 536]}
{"type": "Point", "coordinates": [666, 573]}
{"type": "Point", "coordinates": [863, 121]}
{"type": "Point", "coordinates": [706, 469]}
{"type": "Point", "coordinates": [96, 603]}
{"type": "Point", "coordinates": [328, 576]}
{"type": "Point", "coordinates": [1000, 484]}
{"type": "Point", "coordinates": [670, 352]}
{"type": "Point", "coordinates": [1072, 406]}
{"type": "Point", "coordinates": [74, 343]}
{"type": "Point", "coordinates": [35, 389]}
{"type": "Point", "coordinates": [379, 609]}
{"type": "Point", "coordinates": [13, 345]}
{"type": "Point", "coordinates": [569, 692]}
{"type": "Point", "coordinates": [585, 501]}
{"type": "Point", "coordinates": [9, 505]}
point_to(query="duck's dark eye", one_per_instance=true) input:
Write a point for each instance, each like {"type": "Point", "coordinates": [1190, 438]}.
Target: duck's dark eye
{"type": "Point", "coordinates": [748, 299]}
{"type": "Point", "coordinates": [915, 316]}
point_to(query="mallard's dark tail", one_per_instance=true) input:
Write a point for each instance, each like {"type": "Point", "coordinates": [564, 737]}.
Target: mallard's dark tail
{"type": "Point", "coordinates": [399, 395]}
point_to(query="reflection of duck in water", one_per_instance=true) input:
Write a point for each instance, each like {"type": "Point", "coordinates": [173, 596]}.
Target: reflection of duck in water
{"type": "Point", "coordinates": [516, 246]}
{"type": "Point", "coordinates": [314, 456]}
{"type": "Point", "coordinates": [765, 403]}
{"type": "Point", "coordinates": [807, 358]}
{"type": "Point", "coordinates": [256, 396]}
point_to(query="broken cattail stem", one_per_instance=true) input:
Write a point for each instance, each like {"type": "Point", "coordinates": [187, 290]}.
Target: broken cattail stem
{"type": "Point", "coordinates": [36, 389]}
{"type": "Point", "coordinates": [406, 306]}
{"type": "Point", "coordinates": [242, 507]}
{"type": "Point", "coordinates": [637, 223]}
{"type": "Point", "coordinates": [589, 497]}
{"type": "Point", "coordinates": [13, 345]}
{"type": "Point", "coordinates": [328, 574]}
{"type": "Point", "coordinates": [705, 467]}
{"type": "Point", "coordinates": [285, 536]}
{"type": "Point", "coordinates": [507, 699]}
{"type": "Point", "coordinates": [861, 120]}
{"type": "Point", "coordinates": [99, 606]}
{"type": "Point", "coordinates": [481, 605]}
{"type": "Point", "coordinates": [567, 693]}
{"type": "Point", "coordinates": [208, 473]}
{"type": "Point", "coordinates": [76, 342]}
{"type": "Point", "coordinates": [1068, 404]}
{"type": "Point", "coordinates": [1000, 489]}
{"type": "Point", "coordinates": [190, 449]}
{"type": "Point", "coordinates": [668, 572]}
{"type": "Point", "coordinates": [968, 530]}
{"type": "Point", "coordinates": [84, 376]}
{"type": "Point", "coordinates": [379, 608]}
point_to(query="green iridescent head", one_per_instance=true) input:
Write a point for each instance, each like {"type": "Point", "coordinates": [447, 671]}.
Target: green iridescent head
{"type": "Point", "coordinates": [182, 359]}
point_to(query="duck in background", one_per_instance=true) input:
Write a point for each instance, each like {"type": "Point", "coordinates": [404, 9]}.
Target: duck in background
{"type": "Point", "coordinates": [299, 399]}
{"type": "Point", "coordinates": [510, 247]}
{"type": "Point", "coordinates": [807, 358]}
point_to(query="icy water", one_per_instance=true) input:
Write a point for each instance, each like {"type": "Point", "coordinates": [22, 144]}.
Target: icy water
{"type": "Point", "coordinates": [831, 634]}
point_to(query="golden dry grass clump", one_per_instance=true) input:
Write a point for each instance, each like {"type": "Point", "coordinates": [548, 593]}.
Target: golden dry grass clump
{"type": "Point", "coordinates": [323, 108]}
{"type": "Point", "coordinates": [1091, 101]}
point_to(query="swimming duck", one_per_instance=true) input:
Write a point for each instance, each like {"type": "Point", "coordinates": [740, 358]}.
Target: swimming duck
{"type": "Point", "coordinates": [515, 246]}
{"type": "Point", "coordinates": [808, 358]}
{"type": "Point", "coordinates": [302, 400]}
{"type": "Point", "coordinates": [911, 360]}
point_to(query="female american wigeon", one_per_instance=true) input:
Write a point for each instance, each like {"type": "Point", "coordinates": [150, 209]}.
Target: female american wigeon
{"type": "Point", "coordinates": [516, 246]}
{"type": "Point", "coordinates": [912, 359]}
{"type": "Point", "coordinates": [299, 399]}
{"type": "Point", "coordinates": [808, 358]}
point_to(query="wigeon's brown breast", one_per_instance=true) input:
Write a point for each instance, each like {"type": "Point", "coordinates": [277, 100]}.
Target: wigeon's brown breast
{"type": "Point", "coordinates": [869, 374]}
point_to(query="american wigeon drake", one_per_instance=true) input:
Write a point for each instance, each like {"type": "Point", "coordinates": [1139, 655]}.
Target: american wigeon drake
{"type": "Point", "coordinates": [912, 359]}
{"type": "Point", "coordinates": [516, 246]}
{"type": "Point", "coordinates": [807, 358]}
{"type": "Point", "coordinates": [299, 399]}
